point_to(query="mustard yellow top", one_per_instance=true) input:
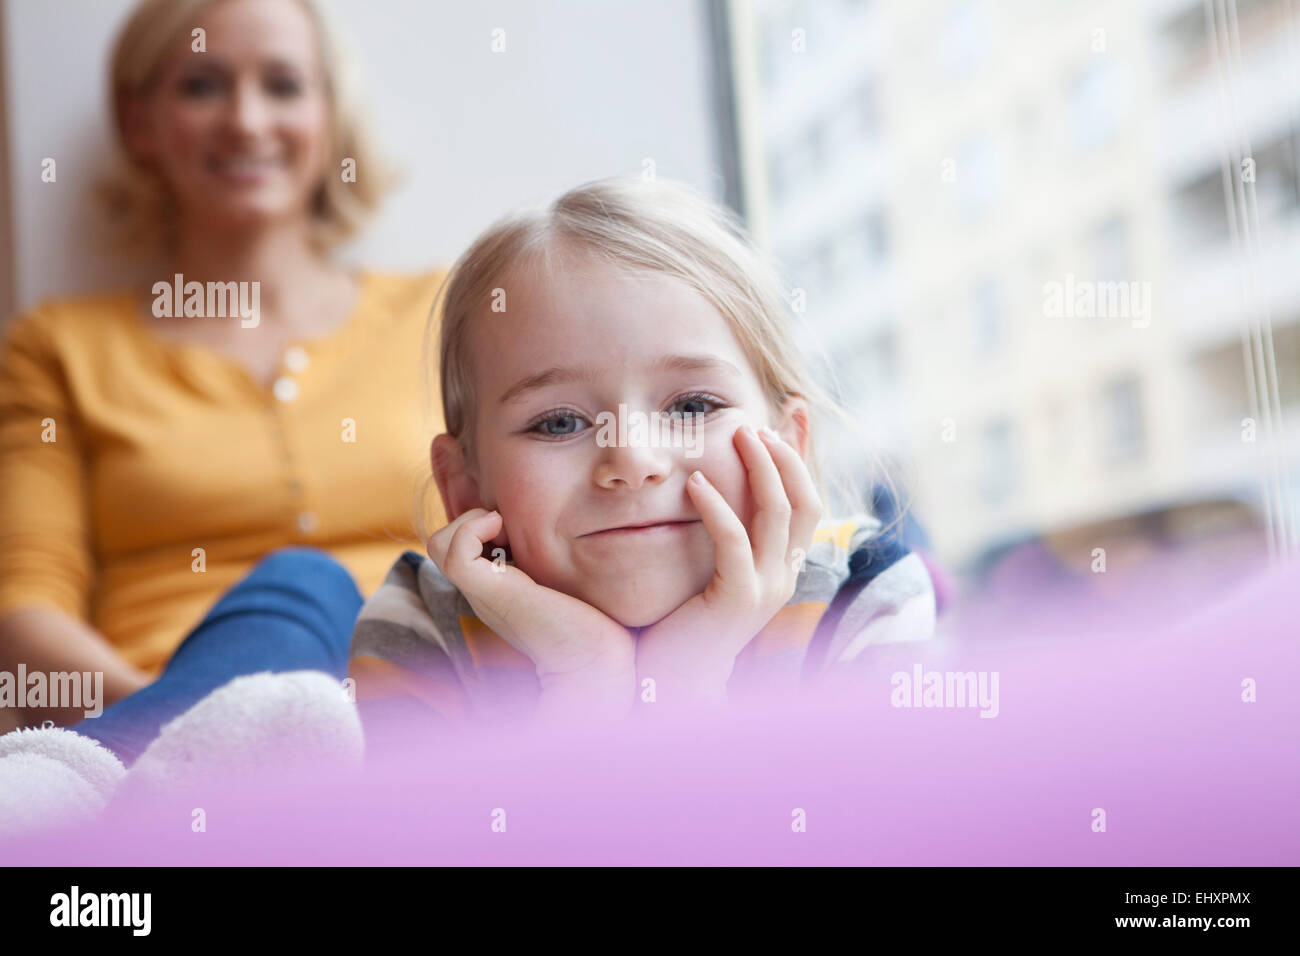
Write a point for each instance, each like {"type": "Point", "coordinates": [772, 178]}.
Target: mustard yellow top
{"type": "Point", "coordinates": [122, 454]}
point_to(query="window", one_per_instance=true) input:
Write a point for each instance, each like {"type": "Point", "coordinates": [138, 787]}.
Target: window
{"type": "Point", "coordinates": [980, 174]}
{"type": "Point", "coordinates": [990, 315]}
{"type": "Point", "coordinates": [964, 167]}
{"type": "Point", "coordinates": [997, 478]}
{"type": "Point", "coordinates": [1277, 178]}
{"type": "Point", "coordinates": [1121, 421]}
{"type": "Point", "coordinates": [1060, 436]}
{"type": "Point", "coordinates": [1200, 213]}
{"type": "Point", "coordinates": [1110, 251]}
{"type": "Point", "coordinates": [1095, 102]}
{"type": "Point", "coordinates": [875, 236]}
{"type": "Point", "coordinates": [967, 38]}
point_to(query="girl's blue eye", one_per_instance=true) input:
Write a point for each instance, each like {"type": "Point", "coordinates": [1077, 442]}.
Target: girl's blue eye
{"type": "Point", "coordinates": [560, 426]}
{"type": "Point", "coordinates": [690, 405]}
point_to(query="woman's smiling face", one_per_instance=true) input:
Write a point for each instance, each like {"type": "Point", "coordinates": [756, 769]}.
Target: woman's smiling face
{"type": "Point", "coordinates": [567, 352]}
{"type": "Point", "coordinates": [241, 129]}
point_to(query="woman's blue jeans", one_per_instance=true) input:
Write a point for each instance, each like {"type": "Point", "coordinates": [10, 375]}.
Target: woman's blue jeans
{"type": "Point", "coordinates": [294, 611]}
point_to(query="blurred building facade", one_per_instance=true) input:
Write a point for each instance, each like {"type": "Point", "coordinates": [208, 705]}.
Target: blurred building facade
{"type": "Point", "coordinates": [1006, 231]}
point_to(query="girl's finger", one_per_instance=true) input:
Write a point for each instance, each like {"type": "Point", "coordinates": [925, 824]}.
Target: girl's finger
{"type": "Point", "coordinates": [448, 547]}
{"type": "Point", "coordinates": [800, 490]}
{"type": "Point", "coordinates": [440, 540]}
{"type": "Point", "coordinates": [732, 557]}
{"type": "Point", "coordinates": [771, 525]}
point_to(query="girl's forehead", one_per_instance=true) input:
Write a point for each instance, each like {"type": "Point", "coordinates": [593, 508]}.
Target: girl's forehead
{"type": "Point", "coordinates": [617, 302]}
{"type": "Point", "coordinates": [601, 326]}
{"type": "Point", "coordinates": [611, 316]}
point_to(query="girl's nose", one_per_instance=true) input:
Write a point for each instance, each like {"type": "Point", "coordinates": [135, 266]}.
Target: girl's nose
{"type": "Point", "coordinates": [632, 466]}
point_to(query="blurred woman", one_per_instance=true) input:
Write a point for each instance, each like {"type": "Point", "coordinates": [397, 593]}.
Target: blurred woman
{"type": "Point", "coordinates": [154, 448]}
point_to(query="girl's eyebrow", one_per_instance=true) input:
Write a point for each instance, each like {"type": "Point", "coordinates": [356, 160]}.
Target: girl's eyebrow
{"type": "Point", "coordinates": [562, 374]}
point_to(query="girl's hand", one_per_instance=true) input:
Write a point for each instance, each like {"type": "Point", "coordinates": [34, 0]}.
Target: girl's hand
{"type": "Point", "coordinates": [691, 652]}
{"type": "Point", "coordinates": [585, 660]}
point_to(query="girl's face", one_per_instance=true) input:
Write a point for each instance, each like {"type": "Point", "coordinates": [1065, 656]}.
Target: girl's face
{"type": "Point", "coordinates": [586, 341]}
{"type": "Point", "coordinates": [241, 131]}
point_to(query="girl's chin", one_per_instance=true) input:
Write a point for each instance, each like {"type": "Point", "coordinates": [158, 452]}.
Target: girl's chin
{"type": "Point", "coordinates": [635, 599]}
{"type": "Point", "coordinates": [637, 611]}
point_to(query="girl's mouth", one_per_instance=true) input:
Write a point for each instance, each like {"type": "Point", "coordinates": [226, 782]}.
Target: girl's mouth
{"type": "Point", "coordinates": [643, 529]}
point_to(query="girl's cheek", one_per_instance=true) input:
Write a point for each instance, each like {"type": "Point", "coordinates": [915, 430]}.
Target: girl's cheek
{"type": "Point", "coordinates": [726, 472]}
{"type": "Point", "coordinates": [523, 492]}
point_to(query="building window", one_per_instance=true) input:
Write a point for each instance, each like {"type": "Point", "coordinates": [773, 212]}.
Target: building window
{"type": "Point", "coordinates": [980, 175]}
{"type": "Point", "coordinates": [989, 310]}
{"type": "Point", "coordinates": [1110, 251]}
{"type": "Point", "coordinates": [1122, 428]}
{"type": "Point", "coordinates": [997, 478]}
{"type": "Point", "coordinates": [1095, 102]}
{"type": "Point", "coordinates": [967, 38]}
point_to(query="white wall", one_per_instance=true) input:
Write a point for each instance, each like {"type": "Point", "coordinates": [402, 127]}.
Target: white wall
{"type": "Point", "coordinates": [584, 89]}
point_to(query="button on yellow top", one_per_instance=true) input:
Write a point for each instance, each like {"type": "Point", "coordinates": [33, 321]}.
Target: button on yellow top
{"type": "Point", "coordinates": [296, 359]}
{"type": "Point", "coordinates": [285, 389]}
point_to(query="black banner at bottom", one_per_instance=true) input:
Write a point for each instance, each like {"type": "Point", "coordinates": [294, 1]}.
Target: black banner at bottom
{"type": "Point", "coordinates": [1163, 905]}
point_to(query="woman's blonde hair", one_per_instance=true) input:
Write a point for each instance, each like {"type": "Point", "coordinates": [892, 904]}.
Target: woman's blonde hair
{"type": "Point", "coordinates": [135, 196]}
{"type": "Point", "coordinates": [658, 226]}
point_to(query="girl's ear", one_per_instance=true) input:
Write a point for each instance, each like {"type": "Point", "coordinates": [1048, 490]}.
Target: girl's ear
{"type": "Point", "coordinates": [794, 424]}
{"type": "Point", "coordinates": [456, 485]}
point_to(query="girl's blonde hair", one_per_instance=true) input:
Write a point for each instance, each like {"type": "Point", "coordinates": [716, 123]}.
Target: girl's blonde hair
{"type": "Point", "coordinates": [657, 226]}
{"type": "Point", "coordinates": [135, 196]}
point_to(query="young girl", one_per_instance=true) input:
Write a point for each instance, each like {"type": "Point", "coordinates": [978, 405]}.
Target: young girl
{"type": "Point", "coordinates": [590, 565]}
{"type": "Point", "coordinates": [585, 572]}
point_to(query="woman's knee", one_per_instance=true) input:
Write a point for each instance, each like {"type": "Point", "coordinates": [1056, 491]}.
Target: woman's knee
{"type": "Point", "coordinates": [294, 602]}
{"type": "Point", "coordinates": [303, 566]}
{"type": "Point", "coordinates": [305, 584]}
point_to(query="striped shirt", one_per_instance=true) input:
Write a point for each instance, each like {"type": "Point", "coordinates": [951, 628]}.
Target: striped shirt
{"type": "Point", "coordinates": [419, 651]}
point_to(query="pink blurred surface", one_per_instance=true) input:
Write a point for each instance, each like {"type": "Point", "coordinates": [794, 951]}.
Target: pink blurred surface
{"type": "Point", "coordinates": [1115, 712]}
